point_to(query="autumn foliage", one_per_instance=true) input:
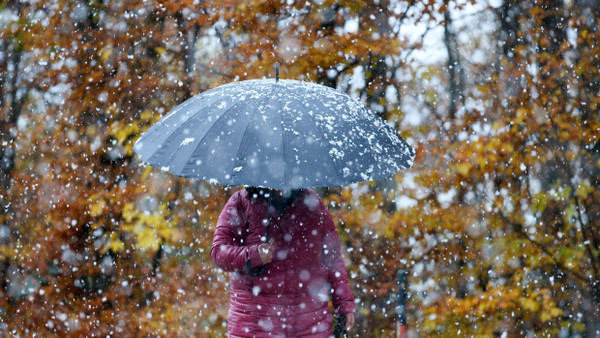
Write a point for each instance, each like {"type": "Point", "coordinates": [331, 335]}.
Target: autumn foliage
{"type": "Point", "coordinates": [498, 222]}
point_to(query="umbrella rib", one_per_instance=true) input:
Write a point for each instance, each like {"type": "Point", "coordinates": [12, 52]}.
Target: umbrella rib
{"type": "Point", "coordinates": [179, 108]}
{"type": "Point", "coordinates": [242, 149]}
{"type": "Point", "coordinates": [208, 132]}
{"type": "Point", "coordinates": [337, 169]}
{"type": "Point", "coordinates": [173, 133]}
{"type": "Point", "coordinates": [157, 125]}
{"type": "Point", "coordinates": [285, 165]}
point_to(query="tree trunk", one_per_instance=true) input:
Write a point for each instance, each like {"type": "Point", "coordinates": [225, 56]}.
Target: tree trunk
{"type": "Point", "coordinates": [456, 74]}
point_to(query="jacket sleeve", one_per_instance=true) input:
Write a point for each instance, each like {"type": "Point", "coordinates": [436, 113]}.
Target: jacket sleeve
{"type": "Point", "coordinates": [228, 250]}
{"type": "Point", "coordinates": [342, 298]}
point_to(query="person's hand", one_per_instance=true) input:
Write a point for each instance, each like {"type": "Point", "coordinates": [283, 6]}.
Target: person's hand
{"type": "Point", "coordinates": [265, 252]}
{"type": "Point", "coordinates": [349, 321]}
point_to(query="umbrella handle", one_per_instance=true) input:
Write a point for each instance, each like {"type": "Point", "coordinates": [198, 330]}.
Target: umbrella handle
{"type": "Point", "coordinates": [340, 326]}
{"type": "Point", "coordinates": [260, 270]}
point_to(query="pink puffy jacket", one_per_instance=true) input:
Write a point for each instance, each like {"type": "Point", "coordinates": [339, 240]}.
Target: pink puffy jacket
{"type": "Point", "coordinates": [291, 298]}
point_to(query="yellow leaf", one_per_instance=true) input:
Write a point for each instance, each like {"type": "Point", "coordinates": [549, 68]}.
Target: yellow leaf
{"type": "Point", "coordinates": [122, 134]}
{"type": "Point", "coordinates": [521, 114]}
{"type": "Point", "coordinates": [146, 172]}
{"type": "Point", "coordinates": [464, 168]}
{"type": "Point", "coordinates": [147, 115]}
{"type": "Point", "coordinates": [166, 232]}
{"type": "Point", "coordinates": [114, 244]}
{"type": "Point", "coordinates": [150, 230]}
{"type": "Point", "coordinates": [97, 207]}
{"type": "Point", "coordinates": [508, 148]}
{"type": "Point", "coordinates": [555, 312]}
{"type": "Point", "coordinates": [128, 212]}
{"type": "Point", "coordinates": [550, 314]}
{"type": "Point", "coordinates": [569, 213]}
{"type": "Point", "coordinates": [497, 125]}
{"type": "Point", "coordinates": [147, 238]}
{"type": "Point", "coordinates": [106, 53]}
{"type": "Point", "coordinates": [529, 304]}
{"type": "Point", "coordinates": [584, 189]}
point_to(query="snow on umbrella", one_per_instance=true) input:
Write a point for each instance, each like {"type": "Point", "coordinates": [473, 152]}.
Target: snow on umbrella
{"type": "Point", "coordinates": [276, 134]}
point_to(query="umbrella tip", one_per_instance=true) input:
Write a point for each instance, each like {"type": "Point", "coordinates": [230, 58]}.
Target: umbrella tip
{"type": "Point", "coordinates": [276, 71]}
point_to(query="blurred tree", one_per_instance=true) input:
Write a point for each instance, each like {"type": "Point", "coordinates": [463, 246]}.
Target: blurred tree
{"type": "Point", "coordinates": [16, 83]}
{"type": "Point", "coordinates": [512, 211]}
{"type": "Point", "coordinates": [19, 65]}
{"type": "Point", "coordinates": [498, 222]}
{"type": "Point", "coordinates": [91, 235]}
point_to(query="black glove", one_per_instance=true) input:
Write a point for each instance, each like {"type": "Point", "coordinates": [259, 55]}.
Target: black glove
{"type": "Point", "coordinates": [340, 326]}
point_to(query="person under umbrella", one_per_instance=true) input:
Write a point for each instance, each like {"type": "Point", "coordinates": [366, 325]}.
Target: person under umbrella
{"type": "Point", "coordinates": [303, 263]}
{"type": "Point", "coordinates": [278, 241]}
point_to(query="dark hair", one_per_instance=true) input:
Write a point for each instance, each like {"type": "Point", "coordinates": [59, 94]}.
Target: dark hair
{"type": "Point", "coordinates": [280, 203]}
{"type": "Point", "coordinates": [256, 192]}
{"type": "Point", "coordinates": [260, 192]}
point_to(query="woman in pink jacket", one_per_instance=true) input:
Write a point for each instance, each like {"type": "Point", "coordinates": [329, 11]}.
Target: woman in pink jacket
{"type": "Point", "coordinates": [302, 267]}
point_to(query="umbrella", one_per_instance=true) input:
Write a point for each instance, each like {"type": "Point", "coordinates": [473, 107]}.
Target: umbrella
{"type": "Point", "coordinates": [276, 134]}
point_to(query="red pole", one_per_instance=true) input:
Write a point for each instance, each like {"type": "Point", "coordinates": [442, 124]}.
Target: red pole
{"type": "Point", "coordinates": [401, 309]}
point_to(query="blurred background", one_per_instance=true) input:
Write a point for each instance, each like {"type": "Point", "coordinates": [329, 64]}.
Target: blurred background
{"type": "Point", "coordinates": [497, 224]}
